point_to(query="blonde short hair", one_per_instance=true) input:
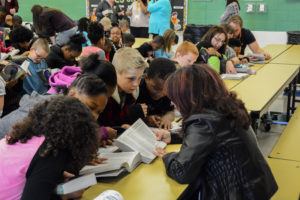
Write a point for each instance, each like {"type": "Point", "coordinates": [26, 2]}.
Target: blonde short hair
{"type": "Point", "coordinates": [128, 58]}
{"type": "Point", "coordinates": [236, 19]}
{"type": "Point", "coordinates": [41, 44]}
{"type": "Point", "coordinates": [187, 47]}
{"type": "Point", "coordinates": [106, 22]}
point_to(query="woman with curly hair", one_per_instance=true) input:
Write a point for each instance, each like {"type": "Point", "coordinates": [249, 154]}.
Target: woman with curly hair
{"type": "Point", "coordinates": [219, 157]}
{"type": "Point", "coordinates": [46, 143]}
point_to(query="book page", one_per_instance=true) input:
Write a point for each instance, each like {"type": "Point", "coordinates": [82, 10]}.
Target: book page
{"type": "Point", "coordinates": [139, 137]}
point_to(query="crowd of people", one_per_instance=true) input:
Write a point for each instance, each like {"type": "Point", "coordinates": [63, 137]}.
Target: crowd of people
{"type": "Point", "coordinates": [85, 84]}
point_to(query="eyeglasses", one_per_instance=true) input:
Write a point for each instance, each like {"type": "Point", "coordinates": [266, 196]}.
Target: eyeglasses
{"type": "Point", "coordinates": [218, 40]}
{"type": "Point", "coordinates": [39, 56]}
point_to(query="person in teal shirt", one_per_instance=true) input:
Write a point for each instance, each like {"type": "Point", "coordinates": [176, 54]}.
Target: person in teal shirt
{"type": "Point", "coordinates": [160, 16]}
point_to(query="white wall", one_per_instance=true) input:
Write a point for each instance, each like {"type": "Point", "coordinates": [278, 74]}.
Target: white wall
{"type": "Point", "coordinates": [265, 38]}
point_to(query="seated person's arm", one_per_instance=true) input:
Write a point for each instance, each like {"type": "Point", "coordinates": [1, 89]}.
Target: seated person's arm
{"type": "Point", "coordinates": [256, 49]}
{"type": "Point", "coordinates": [166, 120]}
{"type": "Point", "coordinates": [1, 104]}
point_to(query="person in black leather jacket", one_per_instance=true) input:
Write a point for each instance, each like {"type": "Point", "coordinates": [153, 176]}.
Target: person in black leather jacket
{"type": "Point", "coordinates": [219, 157]}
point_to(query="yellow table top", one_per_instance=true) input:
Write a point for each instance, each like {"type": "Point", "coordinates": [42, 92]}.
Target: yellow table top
{"type": "Point", "coordinates": [275, 50]}
{"type": "Point", "coordinates": [287, 175]}
{"type": "Point", "coordinates": [291, 56]}
{"type": "Point", "coordinates": [287, 146]}
{"type": "Point", "coordinates": [147, 181]}
{"type": "Point", "coordinates": [260, 90]}
{"type": "Point", "coordinates": [140, 41]}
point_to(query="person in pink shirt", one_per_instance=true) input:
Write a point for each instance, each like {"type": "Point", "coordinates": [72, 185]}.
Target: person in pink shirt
{"type": "Point", "coordinates": [48, 143]}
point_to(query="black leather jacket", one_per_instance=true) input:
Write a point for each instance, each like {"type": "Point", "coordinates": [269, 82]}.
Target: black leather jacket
{"type": "Point", "coordinates": [219, 162]}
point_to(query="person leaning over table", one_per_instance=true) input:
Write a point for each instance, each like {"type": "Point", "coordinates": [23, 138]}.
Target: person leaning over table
{"type": "Point", "coordinates": [245, 36]}
{"type": "Point", "coordinates": [11, 6]}
{"type": "Point", "coordinates": [219, 157]}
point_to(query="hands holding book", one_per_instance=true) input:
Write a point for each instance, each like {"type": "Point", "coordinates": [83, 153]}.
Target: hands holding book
{"type": "Point", "coordinates": [161, 135]}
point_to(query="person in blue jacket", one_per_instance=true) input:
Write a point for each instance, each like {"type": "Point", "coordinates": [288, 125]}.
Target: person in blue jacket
{"type": "Point", "coordinates": [160, 16]}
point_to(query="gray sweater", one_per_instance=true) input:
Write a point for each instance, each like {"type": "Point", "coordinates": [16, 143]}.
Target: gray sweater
{"type": "Point", "coordinates": [231, 9]}
{"type": "Point", "coordinates": [27, 102]}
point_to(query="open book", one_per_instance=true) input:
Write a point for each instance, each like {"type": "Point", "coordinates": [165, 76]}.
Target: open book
{"type": "Point", "coordinates": [140, 138]}
{"type": "Point", "coordinates": [237, 76]}
{"type": "Point", "coordinates": [6, 56]}
{"type": "Point", "coordinates": [76, 184]}
{"type": "Point", "coordinates": [256, 58]}
{"type": "Point", "coordinates": [115, 164]}
{"type": "Point", "coordinates": [13, 71]}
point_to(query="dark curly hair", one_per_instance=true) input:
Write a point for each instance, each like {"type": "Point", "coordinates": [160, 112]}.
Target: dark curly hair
{"type": "Point", "coordinates": [21, 34]}
{"type": "Point", "coordinates": [95, 32]}
{"type": "Point", "coordinates": [196, 88]}
{"type": "Point", "coordinates": [75, 42]}
{"type": "Point", "coordinates": [67, 125]}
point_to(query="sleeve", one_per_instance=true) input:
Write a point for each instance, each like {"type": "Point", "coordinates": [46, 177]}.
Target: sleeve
{"type": "Point", "coordinates": [214, 62]}
{"type": "Point", "coordinates": [154, 6]}
{"type": "Point", "coordinates": [43, 175]}
{"type": "Point", "coordinates": [134, 112]}
{"type": "Point", "coordinates": [230, 10]}
{"type": "Point", "coordinates": [16, 5]}
{"type": "Point", "coordinates": [230, 53]}
{"type": "Point", "coordinates": [185, 165]}
{"type": "Point", "coordinates": [99, 11]}
{"type": "Point", "coordinates": [249, 37]}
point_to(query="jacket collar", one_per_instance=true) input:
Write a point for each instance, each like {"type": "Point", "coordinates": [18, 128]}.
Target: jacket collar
{"type": "Point", "coordinates": [117, 98]}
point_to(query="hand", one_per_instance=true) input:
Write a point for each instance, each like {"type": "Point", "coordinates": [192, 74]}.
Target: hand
{"type": "Point", "coordinates": [212, 51]}
{"type": "Point", "coordinates": [144, 108]}
{"type": "Point", "coordinates": [126, 126]}
{"type": "Point", "coordinates": [230, 68]}
{"type": "Point", "coordinates": [159, 152]}
{"type": "Point", "coordinates": [128, 13]}
{"type": "Point", "coordinates": [104, 143]}
{"type": "Point", "coordinates": [12, 11]}
{"type": "Point", "coordinates": [67, 175]}
{"type": "Point", "coordinates": [112, 133]}
{"type": "Point", "coordinates": [25, 54]}
{"type": "Point", "coordinates": [11, 83]}
{"type": "Point", "coordinates": [11, 48]}
{"type": "Point", "coordinates": [98, 161]}
{"type": "Point", "coordinates": [267, 56]}
{"type": "Point", "coordinates": [166, 124]}
{"type": "Point", "coordinates": [121, 13]}
{"type": "Point", "coordinates": [162, 135]}
{"type": "Point", "coordinates": [153, 120]}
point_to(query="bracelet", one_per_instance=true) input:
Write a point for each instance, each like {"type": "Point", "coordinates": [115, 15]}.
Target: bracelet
{"type": "Point", "coordinates": [104, 133]}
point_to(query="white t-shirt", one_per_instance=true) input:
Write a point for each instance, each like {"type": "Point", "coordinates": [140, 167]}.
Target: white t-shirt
{"type": "Point", "coordinates": [138, 18]}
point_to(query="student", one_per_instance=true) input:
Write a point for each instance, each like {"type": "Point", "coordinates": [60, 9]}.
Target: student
{"type": "Point", "coordinates": [85, 85]}
{"type": "Point", "coordinates": [115, 37]}
{"type": "Point", "coordinates": [124, 26]}
{"type": "Point", "coordinates": [139, 18]}
{"type": "Point", "coordinates": [34, 82]}
{"type": "Point", "coordinates": [245, 36]}
{"type": "Point", "coordinates": [65, 55]}
{"type": "Point", "coordinates": [96, 36]}
{"type": "Point", "coordinates": [186, 54]}
{"type": "Point", "coordinates": [169, 41]}
{"type": "Point", "coordinates": [236, 45]}
{"type": "Point", "coordinates": [219, 157]}
{"type": "Point", "coordinates": [17, 21]}
{"type": "Point", "coordinates": [217, 38]}
{"type": "Point", "coordinates": [160, 111]}
{"type": "Point", "coordinates": [232, 8]}
{"type": "Point", "coordinates": [148, 48]}
{"type": "Point", "coordinates": [83, 24]}
{"type": "Point", "coordinates": [128, 40]}
{"type": "Point", "coordinates": [43, 148]}
{"type": "Point", "coordinates": [120, 108]}
{"type": "Point", "coordinates": [21, 38]}
{"type": "Point", "coordinates": [8, 22]}
{"type": "Point", "coordinates": [53, 21]}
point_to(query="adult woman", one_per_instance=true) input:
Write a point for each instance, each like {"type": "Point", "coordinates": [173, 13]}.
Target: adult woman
{"type": "Point", "coordinates": [139, 21]}
{"type": "Point", "coordinates": [232, 8]}
{"type": "Point", "coordinates": [219, 157]}
{"type": "Point", "coordinates": [50, 21]}
{"type": "Point", "coordinates": [11, 6]}
{"type": "Point", "coordinates": [160, 16]}
{"type": "Point", "coordinates": [212, 50]}
{"type": "Point", "coordinates": [65, 55]}
{"type": "Point", "coordinates": [57, 135]}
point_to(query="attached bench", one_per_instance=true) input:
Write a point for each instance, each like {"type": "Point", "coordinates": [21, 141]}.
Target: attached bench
{"type": "Point", "coordinates": [288, 145]}
{"type": "Point", "coordinates": [287, 175]}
